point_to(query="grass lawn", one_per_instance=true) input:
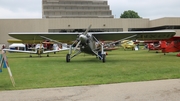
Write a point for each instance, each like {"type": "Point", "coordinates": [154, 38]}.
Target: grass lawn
{"type": "Point", "coordinates": [121, 66]}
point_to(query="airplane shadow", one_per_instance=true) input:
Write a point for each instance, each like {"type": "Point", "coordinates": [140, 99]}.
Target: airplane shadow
{"type": "Point", "coordinates": [92, 60]}
{"type": "Point", "coordinates": [32, 56]}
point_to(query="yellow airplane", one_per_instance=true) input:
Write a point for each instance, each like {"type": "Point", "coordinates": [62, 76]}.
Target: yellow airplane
{"type": "Point", "coordinates": [128, 44]}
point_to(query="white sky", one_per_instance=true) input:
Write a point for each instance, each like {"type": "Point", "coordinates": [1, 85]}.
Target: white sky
{"type": "Point", "coordinates": [152, 9]}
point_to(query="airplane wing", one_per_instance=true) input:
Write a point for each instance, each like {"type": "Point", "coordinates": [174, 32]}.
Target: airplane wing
{"type": "Point", "coordinates": [37, 36]}
{"type": "Point", "coordinates": [107, 36]}
{"type": "Point", "coordinates": [51, 51]}
{"type": "Point", "coordinates": [20, 51]}
{"type": "Point", "coordinates": [139, 35]}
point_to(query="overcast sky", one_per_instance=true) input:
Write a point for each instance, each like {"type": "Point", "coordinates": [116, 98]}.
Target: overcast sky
{"type": "Point", "coordinates": [152, 9]}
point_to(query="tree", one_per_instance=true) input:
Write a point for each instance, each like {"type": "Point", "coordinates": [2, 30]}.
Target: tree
{"type": "Point", "coordinates": [130, 14]}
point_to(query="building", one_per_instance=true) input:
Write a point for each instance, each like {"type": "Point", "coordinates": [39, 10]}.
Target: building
{"type": "Point", "coordinates": [67, 22]}
{"type": "Point", "coordinates": [76, 9]}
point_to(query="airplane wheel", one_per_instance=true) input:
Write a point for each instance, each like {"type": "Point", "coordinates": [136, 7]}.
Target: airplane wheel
{"type": "Point", "coordinates": [103, 58]}
{"type": "Point", "coordinates": [47, 55]}
{"type": "Point", "coordinates": [30, 56]}
{"type": "Point", "coordinates": [68, 58]}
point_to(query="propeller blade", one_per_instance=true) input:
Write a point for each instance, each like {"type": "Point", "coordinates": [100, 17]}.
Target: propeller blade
{"type": "Point", "coordinates": [87, 30]}
{"type": "Point", "coordinates": [40, 48]}
{"type": "Point", "coordinates": [85, 33]}
{"type": "Point", "coordinates": [77, 45]}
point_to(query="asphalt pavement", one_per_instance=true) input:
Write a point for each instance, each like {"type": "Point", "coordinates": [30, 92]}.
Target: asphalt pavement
{"type": "Point", "coordinates": [160, 90]}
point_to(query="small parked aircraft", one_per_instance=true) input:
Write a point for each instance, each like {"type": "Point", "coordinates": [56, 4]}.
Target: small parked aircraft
{"type": "Point", "coordinates": [153, 45]}
{"type": "Point", "coordinates": [128, 44]}
{"type": "Point", "coordinates": [170, 45]}
{"type": "Point", "coordinates": [86, 41]}
{"type": "Point", "coordinates": [38, 49]}
{"type": "Point", "coordinates": [165, 46]}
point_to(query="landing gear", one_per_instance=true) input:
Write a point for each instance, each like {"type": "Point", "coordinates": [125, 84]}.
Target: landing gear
{"type": "Point", "coordinates": [103, 58]}
{"type": "Point", "coordinates": [103, 54]}
{"type": "Point", "coordinates": [30, 56]}
{"type": "Point", "coordinates": [68, 58]}
{"type": "Point", "coordinates": [47, 55]}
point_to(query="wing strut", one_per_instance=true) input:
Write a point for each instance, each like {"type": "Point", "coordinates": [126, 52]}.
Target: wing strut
{"type": "Point", "coordinates": [122, 39]}
{"type": "Point", "coordinates": [115, 41]}
{"type": "Point", "coordinates": [51, 39]}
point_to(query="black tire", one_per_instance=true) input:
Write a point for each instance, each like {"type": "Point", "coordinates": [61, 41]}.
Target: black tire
{"type": "Point", "coordinates": [103, 58]}
{"type": "Point", "coordinates": [68, 58]}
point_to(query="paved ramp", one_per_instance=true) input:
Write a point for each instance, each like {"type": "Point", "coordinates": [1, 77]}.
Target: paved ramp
{"type": "Point", "coordinates": [161, 90]}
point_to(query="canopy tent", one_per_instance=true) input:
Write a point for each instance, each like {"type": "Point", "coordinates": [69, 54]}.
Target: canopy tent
{"type": "Point", "coordinates": [17, 46]}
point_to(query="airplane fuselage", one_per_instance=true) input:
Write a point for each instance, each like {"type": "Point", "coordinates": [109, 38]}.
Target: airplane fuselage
{"type": "Point", "coordinates": [87, 44]}
{"type": "Point", "coordinates": [40, 51]}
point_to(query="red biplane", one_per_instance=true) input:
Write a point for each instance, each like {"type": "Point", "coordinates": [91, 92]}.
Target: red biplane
{"type": "Point", "coordinates": [166, 46]}
{"type": "Point", "coordinates": [171, 45]}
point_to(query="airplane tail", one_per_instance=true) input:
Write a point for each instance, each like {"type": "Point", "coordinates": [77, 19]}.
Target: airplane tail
{"type": "Point", "coordinates": [163, 44]}
{"type": "Point", "coordinates": [60, 47]}
{"type": "Point", "coordinates": [170, 48]}
{"type": "Point", "coordinates": [55, 47]}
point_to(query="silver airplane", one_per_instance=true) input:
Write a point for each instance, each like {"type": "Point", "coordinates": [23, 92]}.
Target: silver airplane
{"type": "Point", "coordinates": [38, 49]}
{"type": "Point", "coordinates": [87, 42]}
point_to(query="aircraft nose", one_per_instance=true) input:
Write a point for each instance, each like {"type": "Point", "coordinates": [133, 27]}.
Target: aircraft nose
{"type": "Point", "coordinates": [83, 38]}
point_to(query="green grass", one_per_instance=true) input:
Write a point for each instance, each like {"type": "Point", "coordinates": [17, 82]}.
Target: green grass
{"type": "Point", "coordinates": [121, 66]}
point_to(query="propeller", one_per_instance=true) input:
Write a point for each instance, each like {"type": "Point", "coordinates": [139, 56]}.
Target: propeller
{"type": "Point", "coordinates": [81, 36]}
{"type": "Point", "coordinates": [87, 30]}
{"type": "Point", "coordinates": [77, 45]}
{"type": "Point", "coordinates": [40, 49]}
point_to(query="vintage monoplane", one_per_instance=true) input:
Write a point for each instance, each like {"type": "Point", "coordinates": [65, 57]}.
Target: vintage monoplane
{"type": "Point", "coordinates": [87, 41]}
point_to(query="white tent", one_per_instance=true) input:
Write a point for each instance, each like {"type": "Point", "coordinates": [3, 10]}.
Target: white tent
{"type": "Point", "coordinates": [17, 46]}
